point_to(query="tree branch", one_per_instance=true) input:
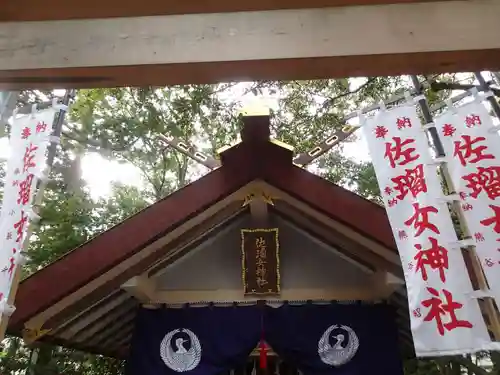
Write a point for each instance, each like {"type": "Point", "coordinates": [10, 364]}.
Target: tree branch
{"type": "Point", "coordinates": [439, 86]}
{"type": "Point", "coordinates": [330, 101]}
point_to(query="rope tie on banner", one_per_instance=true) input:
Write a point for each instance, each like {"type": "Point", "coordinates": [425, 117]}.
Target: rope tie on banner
{"type": "Point", "coordinates": [6, 309]}
{"type": "Point", "coordinates": [382, 106]}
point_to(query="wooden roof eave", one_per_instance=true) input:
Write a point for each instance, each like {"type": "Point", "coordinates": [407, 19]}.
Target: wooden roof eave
{"type": "Point", "coordinates": [82, 266]}
{"type": "Point", "coordinates": [34, 10]}
{"type": "Point", "coordinates": [329, 235]}
{"type": "Point", "coordinates": [333, 201]}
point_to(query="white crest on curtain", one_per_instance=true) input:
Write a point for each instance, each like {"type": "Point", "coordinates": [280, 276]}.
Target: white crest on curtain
{"type": "Point", "coordinates": [180, 359]}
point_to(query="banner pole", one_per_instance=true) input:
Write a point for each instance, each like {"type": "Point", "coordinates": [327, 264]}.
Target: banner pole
{"type": "Point", "coordinates": [477, 271]}
{"type": "Point", "coordinates": [51, 153]}
{"type": "Point", "coordinates": [491, 99]}
{"type": "Point", "coordinates": [8, 101]}
{"type": "Point", "coordinates": [496, 75]}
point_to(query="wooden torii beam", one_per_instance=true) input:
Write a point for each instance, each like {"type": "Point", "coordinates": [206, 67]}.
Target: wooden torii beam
{"type": "Point", "coordinates": [302, 42]}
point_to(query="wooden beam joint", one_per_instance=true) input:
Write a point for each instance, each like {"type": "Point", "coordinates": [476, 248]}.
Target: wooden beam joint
{"type": "Point", "coordinates": [385, 284]}
{"type": "Point", "coordinates": [142, 288]}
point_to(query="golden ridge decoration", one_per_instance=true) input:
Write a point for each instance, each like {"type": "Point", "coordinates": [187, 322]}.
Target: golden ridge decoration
{"type": "Point", "coordinates": [30, 335]}
{"type": "Point", "coordinates": [258, 194]}
{"type": "Point", "coordinates": [260, 263]}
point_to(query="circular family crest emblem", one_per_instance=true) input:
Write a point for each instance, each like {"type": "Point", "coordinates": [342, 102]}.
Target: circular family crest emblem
{"type": "Point", "coordinates": [340, 353]}
{"type": "Point", "coordinates": [175, 355]}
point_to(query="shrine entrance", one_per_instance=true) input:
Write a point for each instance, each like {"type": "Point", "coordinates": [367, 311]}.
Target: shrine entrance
{"type": "Point", "coordinates": [309, 338]}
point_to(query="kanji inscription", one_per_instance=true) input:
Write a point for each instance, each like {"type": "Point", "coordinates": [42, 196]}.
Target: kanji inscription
{"type": "Point", "coordinates": [260, 259]}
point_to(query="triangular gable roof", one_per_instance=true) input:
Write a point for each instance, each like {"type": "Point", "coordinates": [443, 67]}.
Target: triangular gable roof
{"type": "Point", "coordinates": [255, 158]}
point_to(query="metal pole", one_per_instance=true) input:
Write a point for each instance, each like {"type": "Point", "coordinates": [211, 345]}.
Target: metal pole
{"type": "Point", "coordinates": [426, 112]}
{"type": "Point", "coordinates": [8, 101]}
{"type": "Point", "coordinates": [496, 75]}
{"type": "Point", "coordinates": [485, 87]}
{"type": "Point", "coordinates": [57, 128]}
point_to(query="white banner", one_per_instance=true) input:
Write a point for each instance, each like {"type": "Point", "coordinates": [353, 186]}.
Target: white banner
{"type": "Point", "coordinates": [445, 320]}
{"type": "Point", "coordinates": [473, 156]}
{"type": "Point", "coordinates": [28, 142]}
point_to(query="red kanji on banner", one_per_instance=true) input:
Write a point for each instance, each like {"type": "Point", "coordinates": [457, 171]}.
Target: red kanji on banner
{"type": "Point", "coordinates": [462, 195]}
{"type": "Point", "coordinates": [467, 153]}
{"type": "Point", "coordinates": [11, 267]}
{"type": "Point", "coordinates": [448, 130]}
{"type": "Point", "coordinates": [412, 182]}
{"type": "Point", "coordinates": [472, 120]}
{"type": "Point", "coordinates": [25, 190]}
{"type": "Point", "coordinates": [387, 190]}
{"type": "Point", "coordinates": [381, 131]}
{"type": "Point", "coordinates": [41, 127]}
{"type": "Point", "coordinates": [435, 256]}
{"type": "Point", "coordinates": [402, 235]}
{"type": "Point", "coordinates": [487, 179]}
{"type": "Point", "coordinates": [488, 262]}
{"type": "Point", "coordinates": [467, 206]}
{"type": "Point", "coordinates": [478, 236]}
{"type": "Point", "coordinates": [495, 219]}
{"type": "Point", "coordinates": [420, 219]}
{"type": "Point", "coordinates": [392, 202]}
{"type": "Point", "coordinates": [25, 133]}
{"type": "Point", "coordinates": [28, 157]}
{"type": "Point", "coordinates": [403, 122]}
{"type": "Point", "coordinates": [439, 309]}
{"type": "Point", "coordinates": [19, 226]}
{"type": "Point", "coordinates": [398, 151]}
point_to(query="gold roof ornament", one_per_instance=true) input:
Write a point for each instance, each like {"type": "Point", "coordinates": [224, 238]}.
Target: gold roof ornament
{"type": "Point", "coordinates": [32, 334]}
{"type": "Point", "coordinates": [258, 194]}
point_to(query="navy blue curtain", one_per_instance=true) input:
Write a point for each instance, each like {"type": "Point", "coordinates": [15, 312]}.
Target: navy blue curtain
{"type": "Point", "coordinates": [197, 340]}
{"type": "Point", "coordinates": [335, 339]}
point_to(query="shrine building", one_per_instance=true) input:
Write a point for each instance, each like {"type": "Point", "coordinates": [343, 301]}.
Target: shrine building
{"type": "Point", "coordinates": [330, 246]}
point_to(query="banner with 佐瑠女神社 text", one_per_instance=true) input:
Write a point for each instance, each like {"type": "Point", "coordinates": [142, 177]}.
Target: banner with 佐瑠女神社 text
{"type": "Point", "coordinates": [29, 138]}
{"type": "Point", "coordinates": [471, 143]}
{"type": "Point", "coordinates": [260, 261]}
{"type": "Point", "coordinates": [445, 319]}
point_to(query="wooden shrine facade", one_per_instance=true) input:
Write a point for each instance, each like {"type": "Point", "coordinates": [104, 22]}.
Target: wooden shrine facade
{"type": "Point", "coordinates": [186, 248]}
{"type": "Point", "coordinates": [153, 42]}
